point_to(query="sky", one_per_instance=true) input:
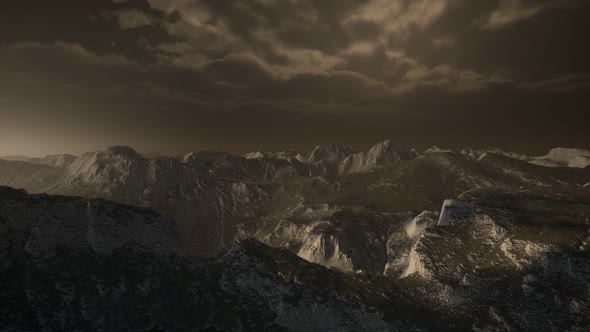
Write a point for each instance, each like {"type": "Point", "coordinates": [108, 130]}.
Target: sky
{"type": "Point", "coordinates": [174, 76]}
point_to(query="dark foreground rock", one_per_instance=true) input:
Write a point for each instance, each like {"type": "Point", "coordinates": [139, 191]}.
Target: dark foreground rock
{"type": "Point", "coordinates": [512, 261]}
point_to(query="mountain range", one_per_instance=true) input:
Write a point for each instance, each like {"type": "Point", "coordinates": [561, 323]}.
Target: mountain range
{"type": "Point", "coordinates": [334, 239]}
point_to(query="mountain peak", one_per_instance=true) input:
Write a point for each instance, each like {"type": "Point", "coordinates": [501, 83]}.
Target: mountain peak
{"type": "Point", "coordinates": [124, 151]}
{"type": "Point", "coordinates": [436, 149]}
{"type": "Point", "coordinates": [190, 157]}
{"type": "Point", "coordinates": [385, 152]}
{"type": "Point", "coordinates": [565, 155]}
{"type": "Point", "coordinates": [331, 152]}
{"type": "Point", "coordinates": [284, 154]}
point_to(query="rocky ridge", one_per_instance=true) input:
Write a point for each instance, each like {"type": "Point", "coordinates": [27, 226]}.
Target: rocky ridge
{"type": "Point", "coordinates": [94, 264]}
{"type": "Point", "coordinates": [316, 209]}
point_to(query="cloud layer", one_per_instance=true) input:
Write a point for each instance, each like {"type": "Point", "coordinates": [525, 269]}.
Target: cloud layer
{"type": "Point", "coordinates": [349, 70]}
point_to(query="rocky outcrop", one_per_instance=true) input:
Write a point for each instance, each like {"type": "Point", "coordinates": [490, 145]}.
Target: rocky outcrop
{"type": "Point", "coordinates": [331, 153]}
{"type": "Point", "coordinates": [579, 162]}
{"type": "Point", "coordinates": [516, 227]}
{"type": "Point", "coordinates": [381, 154]}
{"type": "Point", "coordinates": [401, 247]}
{"type": "Point", "coordinates": [564, 157]}
{"type": "Point", "coordinates": [436, 149]}
{"type": "Point", "coordinates": [288, 155]}
{"type": "Point", "coordinates": [323, 246]}
{"type": "Point", "coordinates": [217, 197]}
{"type": "Point", "coordinates": [69, 263]}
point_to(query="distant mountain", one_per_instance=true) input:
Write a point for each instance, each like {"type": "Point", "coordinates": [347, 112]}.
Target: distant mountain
{"type": "Point", "coordinates": [556, 157]}
{"type": "Point", "coordinates": [331, 153]}
{"type": "Point", "coordinates": [565, 157]}
{"type": "Point", "coordinates": [15, 158]}
{"type": "Point", "coordinates": [288, 155]}
{"type": "Point", "coordinates": [381, 154]}
{"type": "Point", "coordinates": [49, 160]}
{"type": "Point", "coordinates": [153, 155]}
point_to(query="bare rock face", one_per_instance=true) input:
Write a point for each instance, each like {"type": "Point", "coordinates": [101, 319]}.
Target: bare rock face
{"type": "Point", "coordinates": [288, 155]}
{"type": "Point", "coordinates": [579, 162]}
{"type": "Point", "coordinates": [331, 153]}
{"type": "Point", "coordinates": [436, 149]}
{"type": "Point", "coordinates": [123, 151]}
{"type": "Point", "coordinates": [217, 197]}
{"type": "Point", "coordinates": [401, 246]}
{"type": "Point", "coordinates": [108, 266]}
{"type": "Point", "coordinates": [381, 154]}
{"type": "Point", "coordinates": [564, 157]}
{"type": "Point", "coordinates": [440, 233]}
{"type": "Point", "coordinates": [323, 246]}
{"type": "Point", "coordinates": [494, 240]}
{"type": "Point", "coordinates": [69, 263]}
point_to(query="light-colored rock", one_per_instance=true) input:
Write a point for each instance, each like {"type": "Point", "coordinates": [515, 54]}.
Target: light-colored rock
{"type": "Point", "coordinates": [324, 247]}
{"type": "Point", "coordinates": [579, 162]}
{"type": "Point", "coordinates": [381, 154]}
{"type": "Point", "coordinates": [331, 152]}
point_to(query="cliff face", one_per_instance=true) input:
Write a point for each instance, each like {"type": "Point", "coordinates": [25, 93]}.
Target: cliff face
{"type": "Point", "coordinates": [453, 210]}
{"type": "Point", "coordinates": [381, 154]}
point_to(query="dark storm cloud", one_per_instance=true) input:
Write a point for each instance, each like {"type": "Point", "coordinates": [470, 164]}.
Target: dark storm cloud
{"type": "Point", "coordinates": [548, 42]}
{"type": "Point", "coordinates": [513, 11]}
{"type": "Point", "coordinates": [131, 18]}
{"type": "Point", "coordinates": [318, 25]}
{"type": "Point", "coordinates": [226, 74]}
{"type": "Point", "coordinates": [399, 43]}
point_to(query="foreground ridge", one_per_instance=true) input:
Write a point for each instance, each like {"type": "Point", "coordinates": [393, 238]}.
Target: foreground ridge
{"type": "Point", "coordinates": [108, 266]}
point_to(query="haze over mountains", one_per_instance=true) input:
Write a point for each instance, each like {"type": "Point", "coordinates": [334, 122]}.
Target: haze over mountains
{"type": "Point", "coordinates": [471, 239]}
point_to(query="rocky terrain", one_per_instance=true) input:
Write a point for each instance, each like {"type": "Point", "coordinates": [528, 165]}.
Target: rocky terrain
{"type": "Point", "coordinates": [74, 264]}
{"type": "Point", "coordinates": [341, 239]}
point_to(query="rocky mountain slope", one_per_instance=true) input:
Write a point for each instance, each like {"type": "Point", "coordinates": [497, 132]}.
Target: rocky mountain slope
{"type": "Point", "coordinates": [491, 261]}
{"type": "Point", "coordinates": [341, 239]}
{"type": "Point", "coordinates": [338, 206]}
{"type": "Point", "coordinates": [74, 264]}
{"type": "Point", "coordinates": [49, 160]}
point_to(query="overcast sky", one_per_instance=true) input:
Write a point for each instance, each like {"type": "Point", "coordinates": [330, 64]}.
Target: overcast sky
{"type": "Point", "coordinates": [184, 75]}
